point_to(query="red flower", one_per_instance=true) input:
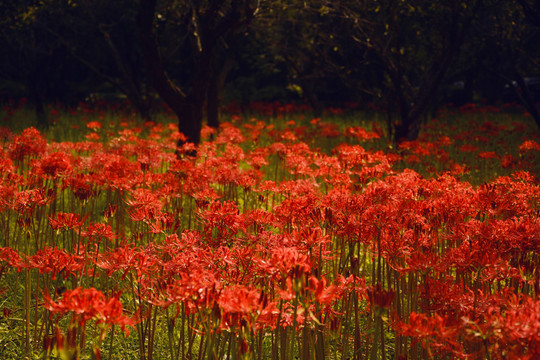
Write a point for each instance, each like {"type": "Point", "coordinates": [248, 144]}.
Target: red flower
{"type": "Point", "coordinates": [126, 259]}
{"type": "Point", "coordinates": [239, 303]}
{"type": "Point", "coordinates": [11, 257]}
{"type": "Point", "coordinates": [29, 143]}
{"type": "Point", "coordinates": [94, 125]}
{"type": "Point", "coordinates": [66, 221]}
{"type": "Point", "coordinates": [55, 164]}
{"type": "Point", "coordinates": [53, 260]}
{"type": "Point", "coordinates": [98, 231]}
{"type": "Point", "coordinates": [528, 145]}
{"type": "Point", "coordinates": [435, 332]}
{"type": "Point", "coordinates": [90, 304]}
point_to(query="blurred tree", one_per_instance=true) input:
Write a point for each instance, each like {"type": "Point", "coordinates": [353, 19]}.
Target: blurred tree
{"type": "Point", "coordinates": [100, 35]}
{"type": "Point", "coordinates": [30, 57]}
{"type": "Point", "coordinates": [42, 38]}
{"type": "Point", "coordinates": [412, 45]}
{"type": "Point", "coordinates": [110, 26]}
{"type": "Point", "coordinates": [512, 41]}
{"type": "Point", "coordinates": [299, 36]}
{"type": "Point", "coordinates": [207, 24]}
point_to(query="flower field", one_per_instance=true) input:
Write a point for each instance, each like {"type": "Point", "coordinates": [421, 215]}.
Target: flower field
{"type": "Point", "coordinates": [269, 245]}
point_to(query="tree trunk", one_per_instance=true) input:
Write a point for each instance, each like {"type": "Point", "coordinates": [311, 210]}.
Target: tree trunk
{"type": "Point", "coordinates": [527, 100]}
{"type": "Point", "coordinates": [190, 119]}
{"type": "Point", "coordinates": [216, 83]}
{"type": "Point", "coordinates": [187, 109]}
{"type": "Point", "coordinates": [41, 115]}
{"type": "Point", "coordinates": [212, 104]}
{"type": "Point", "coordinates": [34, 91]}
{"type": "Point", "coordinates": [409, 128]}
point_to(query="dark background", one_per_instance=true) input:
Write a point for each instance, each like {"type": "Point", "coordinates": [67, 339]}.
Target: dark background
{"type": "Point", "coordinates": [406, 58]}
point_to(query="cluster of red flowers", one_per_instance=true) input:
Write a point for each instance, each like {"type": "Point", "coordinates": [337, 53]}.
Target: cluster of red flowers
{"type": "Point", "coordinates": [278, 237]}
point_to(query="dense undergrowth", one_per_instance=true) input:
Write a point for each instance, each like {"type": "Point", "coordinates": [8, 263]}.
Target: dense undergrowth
{"type": "Point", "coordinates": [288, 237]}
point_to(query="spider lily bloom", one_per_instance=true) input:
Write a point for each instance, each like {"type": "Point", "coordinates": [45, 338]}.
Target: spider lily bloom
{"type": "Point", "coordinates": [25, 201]}
{"type": "Point", "coordinates": [93, 125]}
{"type": "Point", "coordinates": [7, 196]}
{"type": "Point", "coordinates": [90, 304]}
{"type": "Point", "coordinates": [380, 298]}
{"type": "Point", "coordinates": [323, 294]}
{"type": "Point", "coordinates": [66, 221]}
{"type": "Point", "coordinates": [361, 134]}
{"type": "Point", "coordinates": [80, 185]}
{"type": "Point", "coordinates": [11, 257]}
{"type": "Point", "coordinates": [55, 164]}
{"type": "Point", "coordinates": [223, 219]}
{"type": "Point", "coordinates": [197, 288]}
{"type": "Point", "coordinates": [144, 205]}
{"type": "Point", "coordinates": [127, 258]}
{"type": "Point", "coordinates": [29, 143]}
{"type": "Point", "coordinates": [435, 332]}
{"type": "Point", "coordinates": [54, 260]}
{"type": "Point", "coordinates": [240, 305]}
{"type": "Point", "coordinates": [515, 327]}
{"type": "Point", "coordinates": [528, 145]}
{"type": "Point", "coordinates": [98, 231]}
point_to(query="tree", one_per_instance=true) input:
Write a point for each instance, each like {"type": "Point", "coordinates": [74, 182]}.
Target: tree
{"type": "Point", "coordinates": [300, 37]}
{"type": "Point", "coordinates": [31, 59]}
{"type": "Point", "coordinates": [100, 35]}
{"type": "Point", "coordinates": [208, 23]}
{"type": "Point", "coordinates": [412, 44]}
{"type": "Point", "coordinates": [515, 38]}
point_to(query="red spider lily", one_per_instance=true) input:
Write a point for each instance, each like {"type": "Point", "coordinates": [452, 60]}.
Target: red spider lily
{"type": "Point", "coordinates": [175, 246]}
{"type": "Point", "coordinates": [6, 164]}
{"type": "Point", "coordinates": [222, 221]}
{"type": "Point", "coordinates": [90, 304]}
{"type": "Point", "coordinates": [149, 153]}
{"type": "Point", "coordinates": [7, 196]}
{"type": "Point", "coordinates": [528, 145]}
{"type": "Point", "coordinates": [285, 261]}
{"type": "Point", "coordinates": [93, 125]}
{"type": "Point", "coordinates": [437, 333]}
{"type": "Point", "coordinates": [328, 130]}
{"type": "Point", "coordinates": [54, 260]}
{"type": "Point", "coordinates": [114, 171]}
{"type": "Point", "coordinates": [197, 289]}
{"type": "Point", "coordinates": [361, 134]}
{"type": "Point", "coordinates": [128, 259]}
{"type": "Point", "coordinates": [254, 130]}
{"type": "Point", "coordinates": [55, 164]}
{"type": "Point", "coordinates": [323, 294]}
{"type": "Point", "coordinates": [29, 143]}
{"type": "Point", "coordinates": [468, 148]}
{"type": "Point", "coordinates": [509, 161]}
{"type": "Point", "coordinates": [239, 305]}
{"type": "Point", "coordinates": [258, 157]}
{"type": "Point", "coordinates": [80, 185]}
{"type": "Point", "coordinates": [26, 201]}
{"type": "Point", "coordinates": [487, 155]}
{"type": "Point", "coordinates": [164, 223]}
{"type": "Point", "coordinates": [11, 257]}
{"type": "Point", "coordinates": [259, 219]}
{"type": "Point", "coordinates": [66, 221]}
{"type": "Point", "coordinates": [145, 199]}
{"type": "Point", "coordinates": [515, 331]}
{"type": "Point", "coordinates": [352, 156]}
{"type": "Point", "coordinates": [229, 134]}
{"type": "Point", "coordinates": [380, 298]}
{"type": "Point", "coordinates": [99, 231]}
{"type": "Point", "coordinates": [92, 137]}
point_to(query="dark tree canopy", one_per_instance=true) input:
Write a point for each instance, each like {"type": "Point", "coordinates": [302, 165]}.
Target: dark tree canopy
{"type": "Point", "coordinates": [402, 55]}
